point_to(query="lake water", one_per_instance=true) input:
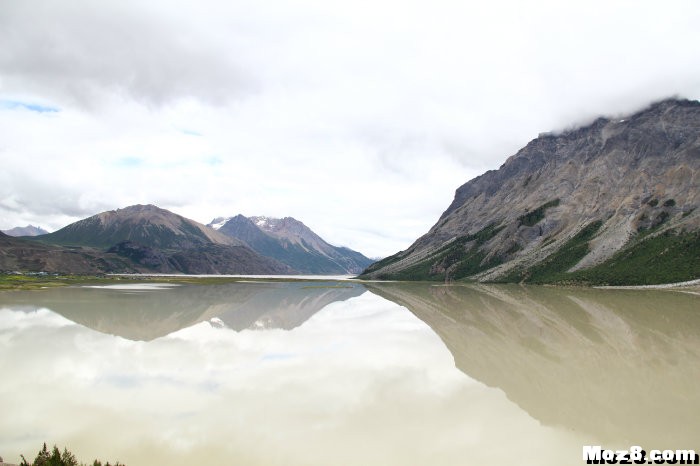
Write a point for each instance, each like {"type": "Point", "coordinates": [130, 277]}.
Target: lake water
{"type": "Point", "coordinates": [328, 373]}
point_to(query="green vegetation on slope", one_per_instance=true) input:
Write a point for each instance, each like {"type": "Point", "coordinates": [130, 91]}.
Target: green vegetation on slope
{"type": "Point", "coordinates": [533, 217]}
{"type": "Point", "coordinates": [465, 261]}
{"type": "Point", "coordinates": [666, 258]}
{"type": "Point", "coordinates": [669, 257]}
{"type": "Point", "coordinates": [648, 259]}
{"type": "Point", "coordinates": [382, 263]}
{"type": "Point", "coordinates": [553, 268]}
{"type": "Point", "coordinates": [461, 258]}
{"type": "Point", "coordinates": [458, 259]}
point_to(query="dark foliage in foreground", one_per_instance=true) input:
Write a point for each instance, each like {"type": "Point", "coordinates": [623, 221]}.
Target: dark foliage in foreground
{"type": "Point", "coordinates": [56, 458]}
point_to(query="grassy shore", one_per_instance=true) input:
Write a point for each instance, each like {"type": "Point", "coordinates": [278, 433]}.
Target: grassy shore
{"type": "Point", "coordinates": [32, 281]}
{"type": "Point", "coordinates": [9, 282]}
{"type": "Point", "coordinates": [38, 281]}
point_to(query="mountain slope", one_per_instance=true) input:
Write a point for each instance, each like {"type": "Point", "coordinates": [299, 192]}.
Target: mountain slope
{"type": "Point", "coordinates": [152, 239]}
{"type": "Point", "coordinates": [144, 224]}
{"type": "Point", "coordinates": [18, 254]}
{"type": "Point", "coordinates": [29, 230]}
{"type": "Point", "coordinates": [293, 243]}
{"type": "Point", "coordinates": [597, 204]}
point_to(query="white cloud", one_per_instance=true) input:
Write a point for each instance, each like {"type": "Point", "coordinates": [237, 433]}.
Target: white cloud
{"type": "Point", "coordinates": [360, 119]}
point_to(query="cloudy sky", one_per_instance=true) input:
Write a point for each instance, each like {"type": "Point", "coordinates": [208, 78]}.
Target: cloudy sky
{"type": "Point", "coordinates": [359, 118]}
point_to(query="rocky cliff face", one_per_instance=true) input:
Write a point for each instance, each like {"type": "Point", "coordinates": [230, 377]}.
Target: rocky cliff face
{"type": "Point", "coordinates": [615, 192]}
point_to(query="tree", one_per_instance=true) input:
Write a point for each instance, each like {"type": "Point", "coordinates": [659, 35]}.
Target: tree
{"type": "Point", "coordinates": [56, 458]}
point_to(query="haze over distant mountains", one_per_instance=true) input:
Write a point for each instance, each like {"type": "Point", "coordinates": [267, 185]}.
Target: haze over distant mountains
{"type": "Point", "coordinates": [613, 202]}
{"type": "Point", "coordinates": [29, 230]}
{"type": "Point", "coordinates": [291, 242]}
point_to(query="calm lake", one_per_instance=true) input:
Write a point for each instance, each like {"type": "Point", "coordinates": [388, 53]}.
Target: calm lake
{"type": "Point", "coordinates": [327, 373]}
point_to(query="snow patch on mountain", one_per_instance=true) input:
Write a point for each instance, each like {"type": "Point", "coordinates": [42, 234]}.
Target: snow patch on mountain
{"type": "Point", "coordinates": [218, 222]}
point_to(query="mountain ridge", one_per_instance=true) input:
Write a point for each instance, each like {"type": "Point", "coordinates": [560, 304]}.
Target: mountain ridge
{"type": "Point", "coordinates": [571, 202]}
{"type": "Point", "coordinates": [24, 255]}
{"type": "Point", "coordinates": [144, 238]}
{"type": "Point", "coordinates": [145, 224]}
{"type": "Point", "coordinates": [293, 243]}
{"type": "Point", "coordinates": [29, 230]}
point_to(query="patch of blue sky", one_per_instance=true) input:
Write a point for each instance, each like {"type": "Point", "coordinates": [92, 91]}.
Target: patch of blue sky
{"type": "Point", "coordinates": [7, 104]}
{"type": "Point", "coordinates": [121, 381]}
{"type": "Point", "coordinates": [129, 162]}
{"type": "Point", "coordinates": [190, 132]}
{"type": "Point", "coordinates": [136, 162]}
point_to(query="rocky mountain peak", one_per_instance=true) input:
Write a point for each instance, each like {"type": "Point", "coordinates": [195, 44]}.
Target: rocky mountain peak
{"type": "Point", "coordinates": [619, 176]}
{"type": "Point", "coordinates": [293, 243]}
{"type": "Point", "coordinates": [148, 225]}
{"type": "Point", "coordinates": [140, 238]}
{"type": "Point", "coordinates": [218, 222]}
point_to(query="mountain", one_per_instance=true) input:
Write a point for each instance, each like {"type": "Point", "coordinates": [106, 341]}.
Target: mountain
{"type": "Point", "coordinates": [19, 254]}
{"type": "Point", "coordinates": [152, 239]}
{"type": "Point", "coordinates": [143, 224]}
{"type": "Point", "coordinates": [29, 230]}
{"type": "Point", "coordinates": [614, 202]}
{"type": "Point", "coordinates": [291, 242]}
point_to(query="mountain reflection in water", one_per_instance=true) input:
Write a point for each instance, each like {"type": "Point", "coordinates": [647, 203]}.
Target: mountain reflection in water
{"type": "Point", "coordinates": [149, 313]}
{"type": "Point", "coordinates": [621, 365]}
{"type": "Point", "coordinates": [329, 374]}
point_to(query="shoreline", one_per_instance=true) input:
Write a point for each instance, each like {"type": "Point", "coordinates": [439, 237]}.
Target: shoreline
{"type": "Point", "coordinates": [661, 286]}
{"type": "Point", "coordinates": [36, 281]}
{"type": "Point", "coordinates": [33, 281]}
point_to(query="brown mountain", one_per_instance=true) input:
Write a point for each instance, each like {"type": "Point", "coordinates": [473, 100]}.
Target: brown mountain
{"type": "Point", "coordinates": [18, 254]}
{"type": "Point", "coordinates": [147, 225]}
{"type": "Point", "coordinates": [147, 238]}
{"type": "Point", "coordinates": [613, 202]}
